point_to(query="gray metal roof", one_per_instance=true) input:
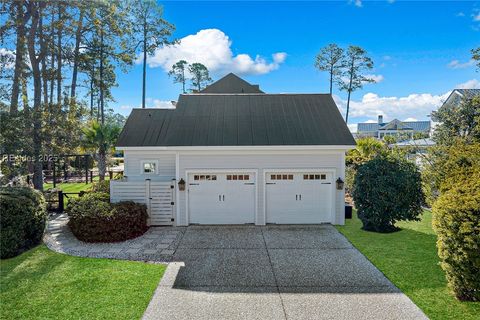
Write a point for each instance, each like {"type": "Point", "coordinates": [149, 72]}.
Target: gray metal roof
{"type": "Point", "coordinates": [469, 93]}
{"type": "Point", "coordinates": [372, 127]}
{"type": "Point", "coordinates": [232, 84]}
{"type": "Point", "coordinates": [426, 142]}
{"type": "Point", "coordinates": [239, 120]}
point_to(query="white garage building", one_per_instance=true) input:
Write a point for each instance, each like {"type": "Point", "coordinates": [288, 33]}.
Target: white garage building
{"type": "Point", "coordinates": [233, 154]}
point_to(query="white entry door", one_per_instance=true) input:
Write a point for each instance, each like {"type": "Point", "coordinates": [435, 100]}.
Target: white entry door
{"type": "Point", "coordinates": [299, 198]}
{"type": "Point", "coordinates": [221, 198]}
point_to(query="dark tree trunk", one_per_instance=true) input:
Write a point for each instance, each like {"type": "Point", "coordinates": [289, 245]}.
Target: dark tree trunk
{"type": "Point", "coordinates": [19, 55]}
{"type": "Point", "coordinates": [331, 79]}
{"type": "Point", "coordinates": [44, 63]}
{"type": "Point", "coordinates": [183, 80]}
{"type": "Point", "coordinates": [102, 116]}
{"type": "Point", "coordinates": [92, 77]}
{"type": "Point", "coordinates": [78, 38]}
{"type": "Point", "coordinates": [349, 89]}
{"type": "Point", "coordinates": [37, 95]}
{"type": "Point", "coordinates": [59, 55]}
{"type": "Point", "coordinates": [52, 56]}
{"type": "Point", "coordinates": [144, 61]}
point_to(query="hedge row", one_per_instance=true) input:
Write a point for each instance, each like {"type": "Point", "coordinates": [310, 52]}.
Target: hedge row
{"type": "Point", "coordinates": [456, 220]}
{"type": "Point", "coordinates": [22, 219]}
{"type": "Point", "coordinates": [92, 218]}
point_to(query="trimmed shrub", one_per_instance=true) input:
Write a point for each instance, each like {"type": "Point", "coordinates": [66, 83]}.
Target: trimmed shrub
{"type": "Point", "coordinates": [93, 219]}
{"type": "Point", "coordinates": [456, 220]}
{"type": "Point", "coordinates": [387, 190]}
{"type": "Point", "coordinates": [101, 186]}
{"type": "Point", "coordinates": [22, 220]}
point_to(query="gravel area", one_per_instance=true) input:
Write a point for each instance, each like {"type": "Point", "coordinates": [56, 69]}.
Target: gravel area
{"type": "Point", "coordinates": [158, 244]}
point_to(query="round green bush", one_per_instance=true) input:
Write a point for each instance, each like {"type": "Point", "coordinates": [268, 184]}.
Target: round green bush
{"type": "Point", "coordinates": [387, 190]}
{"type": "Point", "coordinates": [456, 220]}
{"type": "Point", "coordinates": [101, 186]}
{"type": "Point", "coordinates": [22, 219]}
{"type": "Point", "coordinates": [92, 218]}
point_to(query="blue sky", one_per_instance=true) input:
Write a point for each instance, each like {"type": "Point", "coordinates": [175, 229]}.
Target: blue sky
{"type": "Point", "coordinates": [421, 50]}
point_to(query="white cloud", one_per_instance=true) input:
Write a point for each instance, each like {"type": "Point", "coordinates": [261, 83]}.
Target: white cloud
{"type": "Point", "coordinates": [375, 77]}
{"type": "Point", "coordinates": [470, 84]}
{"type": "Point", "coordinates": [456, 64]}
{"type": "Point", "coordinates": [411, 119]}
{"type": "Point", "coordinates": [386, 58]}
{"type": "Point", "coordinates": [212, 48]}
{"type": "Point", "coordinates": [357, 3]}
{"type": "Point", "coordinates": [126, 107]}
{"type": "Point", "coordinates": [476, 16]}
{"type": "Point", "coordinates": [460, 14]}
{"type": "Point", "coordinates": [371, 105]}
{"type": "Point", "coordinates": [8, 58]}
{"type": "Point", "coordinates": [352, 127]}
{"type": "Point", "coordinates": [161, 104]}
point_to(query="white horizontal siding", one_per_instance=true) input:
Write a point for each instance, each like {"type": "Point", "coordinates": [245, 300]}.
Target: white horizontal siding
{"type": "Point", "coordinates": [157, 196]}
{"type": "Point", "coordinates": [133, 165]}
{"type": "Point", "coordinates": [192, 161]}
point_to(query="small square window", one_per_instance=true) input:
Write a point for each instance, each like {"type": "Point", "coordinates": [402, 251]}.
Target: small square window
{"type": "Point", "coordinates": [317, 177]}
{"type": "Point", "coordinates": [246, 177]}
{"type": "Point", "coordinates": [323, 176]}
{"type": "Point", "coordinates": [202, 177]}
{"type": "Point", "coordinates": [195, 177]}
{"type": "Point", "coordinates": [311, 177]}
{"type": "Point", "coordinates": [305, 177]}
{"type": "Point", "coordinates": [149, 167]}
{"type": "Point", "coordinates": [284, 177]}
{"type": "Point", "coordinates": [229, 177]}
{"type": "Point", "coordinates": [235, 177]}
{"type": "Point", "coordinates": [214, 177]}
{"type": "Point", "coordinates": [240, 177]}
{"type": "Point", "coordinates": [290, 177]}
{"type": "Point", "coordinates": [273, 177]}
{"type": "Point", "coordinates": [279, 177]}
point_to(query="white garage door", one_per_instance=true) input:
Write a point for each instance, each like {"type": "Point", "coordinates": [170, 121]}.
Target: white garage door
{"type": "Point", "coordinates": [299, 198]}
{"type": "Point", "coordinates": [221, 198]}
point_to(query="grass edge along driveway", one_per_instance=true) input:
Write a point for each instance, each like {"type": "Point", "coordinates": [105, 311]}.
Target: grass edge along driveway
{"type": "Point", "coordinates": [42, 284]}
{"type": "Point", "coordinates": [409, 259]}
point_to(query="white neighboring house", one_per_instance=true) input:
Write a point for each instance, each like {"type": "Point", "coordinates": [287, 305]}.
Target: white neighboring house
{"type": "Point", "coordinates": [395, 127]}
{"type": "Point", "coordinates": [244, 156]}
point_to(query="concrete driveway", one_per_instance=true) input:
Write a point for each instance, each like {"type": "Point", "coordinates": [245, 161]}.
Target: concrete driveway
{"type": "Point", "coordinates": [274, 272]}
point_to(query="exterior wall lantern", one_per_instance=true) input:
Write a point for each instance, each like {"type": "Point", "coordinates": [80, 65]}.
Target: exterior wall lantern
{"type": "Point", "coordinates": [340, 184]}
{"type": "Point", "coordinates": [181, 185]}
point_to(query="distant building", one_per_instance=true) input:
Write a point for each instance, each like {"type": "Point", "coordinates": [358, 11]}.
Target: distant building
{"type": "Point", "coordinates": [395, 127]}
{"type": "Point", "coordinates": [417, 149]}
{"type": "Point", "coordinates": [457, 95]}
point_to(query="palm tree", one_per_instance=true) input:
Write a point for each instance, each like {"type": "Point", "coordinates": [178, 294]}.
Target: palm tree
{"type": "Point", "coordinates": [100, 139]}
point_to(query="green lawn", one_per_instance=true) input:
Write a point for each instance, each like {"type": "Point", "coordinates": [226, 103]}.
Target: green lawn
{"type": "Point", "coordinates": [69, 186]}
{"type": "Point", "coordinates": [409, 259]}
{"type": "Point", "coordinates": [42, 284]}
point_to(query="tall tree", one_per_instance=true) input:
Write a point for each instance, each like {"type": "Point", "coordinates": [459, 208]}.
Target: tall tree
{"type": "Point", "coordinates": [459, 122]}
{"type": "Point", "coordinates": [330, 59]}
{"type": "Point", "coordinates": [200, 76]}
{"type": "Point", "coordinates": [178, 72]}
{"type": "Point", "coordinates": [79, 28]}
{"type": "Point", "coordinates": [60, 24]}
{"type": "Point", "coordinates": [355, 62]}
{"type": "Point", "coordinates": [476, 57]}
{"type": "Point", "coordinates": [21, 19]}
{"type": "Point", "coordinates": [36, 56]}
{"type": "Point", "coordinates": [153, 32]}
